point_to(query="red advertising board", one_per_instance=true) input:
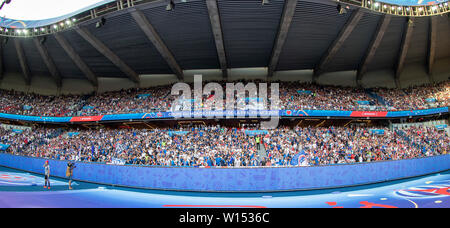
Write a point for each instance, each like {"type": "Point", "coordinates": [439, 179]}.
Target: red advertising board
{"type": "Point", "coordinates": [86, 118]}
{"type": "Point", "coordinates": [368, 114]}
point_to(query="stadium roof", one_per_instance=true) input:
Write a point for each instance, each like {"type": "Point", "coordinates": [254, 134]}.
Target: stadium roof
{"type": "Point", "coordinates": [224, 34]}
{"type": "Point", "coordinates": [47, 9]}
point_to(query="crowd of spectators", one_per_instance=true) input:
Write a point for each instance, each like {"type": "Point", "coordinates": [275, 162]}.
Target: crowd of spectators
{"type": "Point", "coordinates": [30, 104]}
{"type": "Point", "coordinates": [297, 97]}
{"type": "Point", "coordinates": [416, 97]}
{"type": "Point", "coordinates": [205, 146]}
{"type": "Point", "coordinates": [292, 95]}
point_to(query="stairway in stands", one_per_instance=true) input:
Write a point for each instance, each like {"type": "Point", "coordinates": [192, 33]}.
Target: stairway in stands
{"type": "Point", "coordinates": [83, 102]}
{"type": "Point", "coordinates": [377, 97]}
{"type": "Point", "coordinates": [262, 152]}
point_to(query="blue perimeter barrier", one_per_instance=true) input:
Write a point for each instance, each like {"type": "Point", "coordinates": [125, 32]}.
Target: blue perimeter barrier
{"type": "Point", "coordinates": [228, 114]}
{"type": "Point", "coordinates": [237, 179]}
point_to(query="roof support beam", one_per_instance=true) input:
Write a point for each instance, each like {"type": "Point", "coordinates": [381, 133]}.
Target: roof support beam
{"type": "Point", "coordinates": [102, 48]}
{"type": "Point", "coordinates": [406, 40]}
{"type": "Point", "coordinates": [48, 61]}
{"type": "Point", "coordinates": [156, 40]}
{"type": "Point", "coordinates": [216, 26]}
{"type": "Point", "coordinates": [383, 24]}
{"type": "Point", "coordinates": [337, 43]}
{"type": "Point", "coordinates": [77, 59]}
{"type": "Point", "coordinates": [432, 46]}
{"type": "Point", "coordinates": [285, 23]}
{"type": "Point", "coordinates": [1, 58]}
{"type": "Point", "coordinates": [23, 61]}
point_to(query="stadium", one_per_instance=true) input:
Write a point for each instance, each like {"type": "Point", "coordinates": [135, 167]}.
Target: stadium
{"type": "Point", "coordinates": [225, 104]}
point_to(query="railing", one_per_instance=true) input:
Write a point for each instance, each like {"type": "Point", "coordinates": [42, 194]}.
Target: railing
{"type": "Point", "coordinates": [100, 11]}
{"type": "Point", "coordinates": [229, 114]}
{"type": "Point", "coordinates": [438, 8]}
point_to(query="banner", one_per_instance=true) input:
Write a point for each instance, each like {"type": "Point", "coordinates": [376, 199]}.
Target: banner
{"type": "Point", "coordinates": [299, 159]}
{"type": "Point", "coordinates": [441, 127]}
{"type": "Point", "coordinates": [116, 161]}
{"type": "Point", "coordinates": [4, 146]}
{"type": "Point", "coordinates": [70, 134]}
{"type": "Point", "coordinates": [88, 107]}
{"type": "Point", "coordinates": [171, 133]}
{"type": "Point", "coordinates": [256, 132]}
{"type": "Point", "coordinates": [368, 114]}
{"type": "Point", "coordinates": [145, 95]}
{"type": "Point", "coordinates": [363, 102]}
{"type": "Point", "coordinates": [17, 131]}
{"type": "Point", "coordinates": [304, 91]}
{"type": "Point", "coordinates": [86, 118]}
{"type": "Point", "coordinates": [377, 131]}
{"type": "Point", "coordinates": [413, 2]}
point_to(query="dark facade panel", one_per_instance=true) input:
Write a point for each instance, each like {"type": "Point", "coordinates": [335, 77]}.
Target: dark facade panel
{"type": "Point", "coordinates": [122, 35]}
{"type": "Point", "coordinates": [387, 53]}
{"type": "Point", "coordinates": [249, 31]}
{"type": "Point", "coordinates": [10, 59]}
{"type": "Point", "coordinates": [352, 51]}
{"type": "Point", "coordinates": [313, 28]}
{"type": "Point", "coordinates": [442, 37]}
{"type": "Point", "coordinates": [35, 62]}
{"type": "Point", "coordinates": [98, 63]}
{"type": "Point", "coordinates": [418, 48]}
{"type": "Point", "coordinates": [187, 33]}
{"type": "Point", "coordinates": [63, 62]}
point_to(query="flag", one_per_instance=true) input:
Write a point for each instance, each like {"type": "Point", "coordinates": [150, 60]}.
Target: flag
{"type": "Point", "coordinates": [299, 159]}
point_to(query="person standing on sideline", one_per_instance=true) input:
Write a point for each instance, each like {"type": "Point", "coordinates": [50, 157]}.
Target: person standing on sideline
{"type": "Point", "coordinates": [47, 175]}
{"type": "Point", "coordinates": [69, 172]}
{"type": "Point", "coordinates": [257, 143]}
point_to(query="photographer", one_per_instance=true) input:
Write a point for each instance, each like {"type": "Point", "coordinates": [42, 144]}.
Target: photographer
{"type": "Point", "coordinates": [69, 172]}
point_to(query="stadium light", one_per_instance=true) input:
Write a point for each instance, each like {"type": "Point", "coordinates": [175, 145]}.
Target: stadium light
{"type": "Point", "coordinates": [100, 23]}
{"type": "Point", "coordinates": [5, 2]}
{"type": "Point", "coordinates": [170, 6]}
{"type": "Point", "coordinates": [42, 39]}
{"type": "Point", "coordinates": [340, 9]}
